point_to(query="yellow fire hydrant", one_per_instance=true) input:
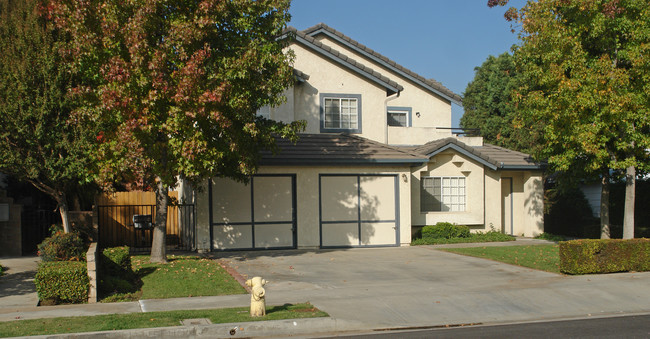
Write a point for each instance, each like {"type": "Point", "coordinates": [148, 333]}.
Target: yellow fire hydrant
{"type": "Point", "coordinates": [258, 300]}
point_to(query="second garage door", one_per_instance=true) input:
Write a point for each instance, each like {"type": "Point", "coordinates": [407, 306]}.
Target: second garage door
{"type": "Point", "coordinates": [358, 210]}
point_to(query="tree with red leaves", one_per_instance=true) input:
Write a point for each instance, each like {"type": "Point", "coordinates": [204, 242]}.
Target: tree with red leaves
{"type": "Point", "coordinates": [174, 86]}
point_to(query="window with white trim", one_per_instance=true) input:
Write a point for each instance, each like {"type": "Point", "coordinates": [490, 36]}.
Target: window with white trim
{"type": "Point", "coordinates": [442, 194]}
{"type": "Point", "coordinates": [398, 116]}
{"type": "Point", "coordinates": [340, 113]}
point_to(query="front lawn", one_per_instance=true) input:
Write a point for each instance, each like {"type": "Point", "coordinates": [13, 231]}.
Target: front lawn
{"type": "Point", "coordinates": [150, 319]}
{"type": "Point", "coordinates": [182, 276]}
{"type": "Point", "coordinates": [539, 257]}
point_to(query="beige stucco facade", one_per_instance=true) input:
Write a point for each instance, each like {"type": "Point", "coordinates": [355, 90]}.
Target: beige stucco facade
{"type": "Point", "coordinates": [340, 204]}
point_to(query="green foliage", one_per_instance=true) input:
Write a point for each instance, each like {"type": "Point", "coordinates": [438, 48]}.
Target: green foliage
{"type": "Point", "coordinates": [62, 281]}
{"type": "Point", "coordinates": [2, 270]}
{"type": "Point", "coordinates": [490, 107]}
{"type": "Point", "coordinates": [116, 276]}
{"type": "Point", "coordinates": [567, 212]}
{"type": "Point", "coordinates": [590, 256]}
{"type": "Point", "coordinates": [490, 236]}
{"type": "Point", "coordinates": [551, 237]}
{"type": "Point", "coordinates": [445, 230]}
{"type": "Point", "coordinates": [175, 85]}
{"type": "Point", "coordinates": [586, 67]}
{"type": "Point", "coordinates": [62, 247]}
{"type": "Point", "coordinates": [40, 141]}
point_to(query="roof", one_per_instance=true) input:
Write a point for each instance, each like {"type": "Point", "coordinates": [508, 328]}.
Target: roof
{"type": "Point", "coordinates": [494, 157]}
{"type": "Point", "coordinates": [429, 84]}
{"type": "Point", "coordinates": [390, 85]}
{"type": "Point", "coordinates": [337, 149]}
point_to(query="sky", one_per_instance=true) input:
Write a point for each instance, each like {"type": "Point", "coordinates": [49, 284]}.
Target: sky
{"type": "Point", "coordinates": [443, 40]}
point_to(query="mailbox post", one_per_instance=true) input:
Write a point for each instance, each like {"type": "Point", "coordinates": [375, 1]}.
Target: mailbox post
{"type": "Point", "coordinates": [141, 223]}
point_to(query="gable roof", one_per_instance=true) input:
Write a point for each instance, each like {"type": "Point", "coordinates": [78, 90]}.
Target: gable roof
{"type": "Point", "coordinates": [429, 84]}
{"type": "Point", "coordinates": [336, 149]}
{"type": "Point", "coordinates": [390, 85]}
{"type": "Point", "coordinates": [494, 157]}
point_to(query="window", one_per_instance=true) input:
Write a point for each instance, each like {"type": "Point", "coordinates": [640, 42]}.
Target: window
{"type": "Point", "coordinates": [265, 112]}
{"type": "Point", "coordinates": [442, 194]}
{"type": "Point", "coordinates": [340, 113]}
{"type": "Point", "coordinates": [399, 116]}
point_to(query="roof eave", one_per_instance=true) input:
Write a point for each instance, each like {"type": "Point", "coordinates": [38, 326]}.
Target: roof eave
{"type": "Point", "coordinates": [385, 64]}
{"type": "Point", "coordinates": [390, 88]}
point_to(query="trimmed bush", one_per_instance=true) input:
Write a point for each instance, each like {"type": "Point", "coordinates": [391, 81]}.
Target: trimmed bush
{"type": "Point", "coordinates": [115, 272]}
{"type": "Point", "coordinates": [445, 230]}
{"type": "Point", "coordinates": [62, 247]}
{"type": "Point", "coordinates": [62, 282]}
{"type": "Point", "coordinates": [589, 256]}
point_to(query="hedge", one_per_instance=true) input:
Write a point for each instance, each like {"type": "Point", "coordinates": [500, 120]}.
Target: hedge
{"type": "Point", "coordinates": [62, 281]}
{"type": "Point", "coordinates": [115, 272]}
{"type": "Point", "coordinates": [588, 256]}
{"type": "Point", "coordinates": [445, 230]}
{"type": "Point", "coordinates": [62, 247]}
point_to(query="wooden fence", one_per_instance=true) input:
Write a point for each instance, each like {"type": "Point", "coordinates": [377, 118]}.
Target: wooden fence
{"type": "Point", "coordinates": [115, 221]}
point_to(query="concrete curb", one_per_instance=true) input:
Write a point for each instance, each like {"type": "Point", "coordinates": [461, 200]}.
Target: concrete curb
{"type": "Point", "coordinates": [290, 327]}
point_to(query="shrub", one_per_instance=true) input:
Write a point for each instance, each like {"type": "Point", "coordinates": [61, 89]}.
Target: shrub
{"type": "Point", "coordinates": [115, 272]}
{"type": "Point", "coordinates": [445, 230]}
{"type": "Point", "coordinates": [589, 256]}
{"type": "Point", "coordinates": [62, 281]}
{"type": "Point", "coordinates": [62, 247]}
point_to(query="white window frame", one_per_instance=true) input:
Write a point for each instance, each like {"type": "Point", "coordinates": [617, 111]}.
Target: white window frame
{"type": "Point", "coordinates": [451, 195]}
{"type": "Point", "coordinates": [405, 111]}
{"type": "Point", "coordinates": [348, 117]}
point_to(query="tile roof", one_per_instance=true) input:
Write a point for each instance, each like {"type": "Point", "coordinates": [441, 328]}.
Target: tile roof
{"type": "Point", "coordinates": [344, 60]}
{"type": "Point", "coordinates": [493, 156]}
{"type": "Point", "coordinates": [430, 84]}
{"type": "Point", "coordinates": [337, 149]}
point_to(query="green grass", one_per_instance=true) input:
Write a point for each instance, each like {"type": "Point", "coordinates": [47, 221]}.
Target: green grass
{"type": "Point", "coordinates": [551, 237]}
{"type": "Point", "coordinates": [183, 276]}
{"type": "Point", "coordinates": [491, 236]}
{"type": "Point", "coordinates": [539, 257]}
{"type": "Point", "coordinates": [149, 320]}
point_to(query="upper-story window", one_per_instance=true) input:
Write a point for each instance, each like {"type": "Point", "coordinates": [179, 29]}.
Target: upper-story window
{"type": "Point", "coordinates": [265, 112]}
{"type": "Point", "coordinates": [340, 113]}
{"type": "Point", "coordinates": [399, 116]}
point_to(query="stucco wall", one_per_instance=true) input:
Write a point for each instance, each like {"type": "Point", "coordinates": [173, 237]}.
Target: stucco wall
{"type": "Point", "coordinates": [434, 111]}
{"type": "Point", "coordinates": [451, 164]}
{"type": "Point", "coordinates": [327, 77]}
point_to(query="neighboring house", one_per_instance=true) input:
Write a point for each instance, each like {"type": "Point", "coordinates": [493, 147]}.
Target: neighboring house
{"type": "Point", "coordinates": [377, 161]}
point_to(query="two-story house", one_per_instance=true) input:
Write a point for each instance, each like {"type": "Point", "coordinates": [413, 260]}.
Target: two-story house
{"type": "Point", "coordinates": [377, 161]}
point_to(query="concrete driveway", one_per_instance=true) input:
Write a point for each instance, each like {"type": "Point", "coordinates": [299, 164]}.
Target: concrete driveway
{"type": "Point", "coordinates": [421, 286]}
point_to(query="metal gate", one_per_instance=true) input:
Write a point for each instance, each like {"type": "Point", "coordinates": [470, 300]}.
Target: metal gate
{"type": "Point", "coordinates": [115, 223]}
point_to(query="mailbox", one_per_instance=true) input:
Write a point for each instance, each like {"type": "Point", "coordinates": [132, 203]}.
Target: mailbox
{"type": "Point", "coordinates": [142, 221]}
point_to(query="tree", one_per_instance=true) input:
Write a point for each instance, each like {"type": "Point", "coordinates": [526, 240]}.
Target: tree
{"type": "Point", "coordinates": [586, 66]}
{"type": "Point", "coordinates": [489, 105]}
{"type": "Point", "coordinates": [39, 141]}
{"type": "Point", "coordinates": [175, 85]}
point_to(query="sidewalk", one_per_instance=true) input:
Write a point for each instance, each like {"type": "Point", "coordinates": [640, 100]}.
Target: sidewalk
{"type": "Point", "coordinates": [367, 289]}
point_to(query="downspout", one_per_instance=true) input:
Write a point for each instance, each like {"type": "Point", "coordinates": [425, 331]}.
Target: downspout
{"type": "Point", "coordinates": [388, 98]}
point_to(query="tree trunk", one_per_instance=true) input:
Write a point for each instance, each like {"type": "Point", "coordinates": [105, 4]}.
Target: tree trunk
{"type": "Point", "coordinates": [628, 216]}
{"type": "Point", "coordinates": [63, 210]}
{"type": "Point", "coordinates": [604, 206]}
{"type": "Point", "coordinates": [158, 246]}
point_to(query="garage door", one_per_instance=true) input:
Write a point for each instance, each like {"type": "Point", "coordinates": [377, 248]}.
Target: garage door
{"type": "Point", "coordinates": [358, 210]}
{"type": "Point", "coordinates": [260, 215]}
